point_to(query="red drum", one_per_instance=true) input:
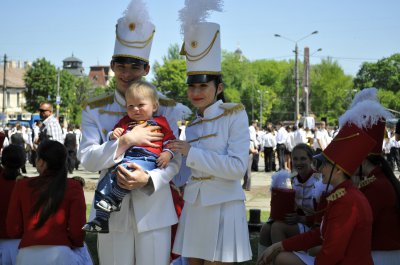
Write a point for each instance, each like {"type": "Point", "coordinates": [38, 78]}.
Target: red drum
{"type": "Point", "coordinates": [282, 203]}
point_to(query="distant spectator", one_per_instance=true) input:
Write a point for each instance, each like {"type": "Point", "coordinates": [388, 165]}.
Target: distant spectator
{"type": "Point", "coordinates": [51, 129]}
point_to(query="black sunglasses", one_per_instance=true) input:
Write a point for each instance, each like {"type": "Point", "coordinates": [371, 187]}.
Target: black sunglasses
{"type": "Point", "coordinates": [43, 110]}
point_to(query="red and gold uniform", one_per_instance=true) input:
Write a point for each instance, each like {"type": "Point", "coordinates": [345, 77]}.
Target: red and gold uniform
{"type": "Point", "coordinates": [382, 198]}
{"type": "Point", "coordinates": [346, 228]}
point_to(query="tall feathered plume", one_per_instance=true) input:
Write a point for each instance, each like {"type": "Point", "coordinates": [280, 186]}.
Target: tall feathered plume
{"type": "Point", "coordinates": [365, 114]}
{"type": "Point", "coordinates": [365, 94]}
{"type": "Point", "coordinates": [196, 11]}
{"type": "Point", "coordinates": [136, 12]}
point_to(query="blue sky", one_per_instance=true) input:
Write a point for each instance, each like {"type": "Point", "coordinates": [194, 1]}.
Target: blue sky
{"type": "Point", "coordinates": [350, 31]}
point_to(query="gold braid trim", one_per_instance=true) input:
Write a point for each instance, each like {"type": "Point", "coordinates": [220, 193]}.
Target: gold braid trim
{"type": "Point", "coordinates": [228, 111]}
{"type": "Point", "coordinates": [202, 137]}
{"type": "Point", "coordinates": [100, 101]}
{"type": "Point", "coordinates": [134, 44]}
{"type": "Point", "coordinates": [345, 138]}
{"type": "Point", "coordinates": [118, 113]}
{"type": "Point", "coordinates": [336, 195]}
{"type": "Point", "coordinates": [366, 182]}
{"type": "Point", "coordinates": [197, 57]}
{"type": "Point", "coordinates": [167, 102]}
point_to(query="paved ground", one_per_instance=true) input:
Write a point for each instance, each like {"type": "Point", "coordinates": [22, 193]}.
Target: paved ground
{"type": "Point", "coordinates": [257, 198]}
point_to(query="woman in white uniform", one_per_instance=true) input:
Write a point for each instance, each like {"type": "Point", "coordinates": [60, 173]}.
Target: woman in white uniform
{"type": "Point", "coordinates": [213, 227]}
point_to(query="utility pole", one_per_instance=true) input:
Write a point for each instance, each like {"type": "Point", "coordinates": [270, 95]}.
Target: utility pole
{"type": "Point", "coordinates": [296, 78]}
{"type": "Point", "coordinates": [58, 93]}
{"type": "Point", "coordinates": [4, 84]}
{"type": "Point", "coordinates": [306, 79]}
{"type": "Point", "coordinates": [261, 107]}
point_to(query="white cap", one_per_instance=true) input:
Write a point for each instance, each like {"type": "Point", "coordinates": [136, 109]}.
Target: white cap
{"type": "Point", "coordinates": [134, 35]}
{"type": "Point", "coordinates": [202, 48]}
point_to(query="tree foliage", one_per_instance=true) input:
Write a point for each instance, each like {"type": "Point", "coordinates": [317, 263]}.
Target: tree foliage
{"type": "Point", "coordinates": [331, 90]}
{"type": "Point", "coordinates": [41, 84]}
{"type": "Point", "coordinates": [170, 77]}
{"type": "Point", "coordinates": [384, 74]}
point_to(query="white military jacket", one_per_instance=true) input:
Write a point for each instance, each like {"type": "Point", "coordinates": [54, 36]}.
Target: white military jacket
{"type": "Point", "coordinates": [218, 157]}
{"type": "Point", "coordinates": [153, 207]}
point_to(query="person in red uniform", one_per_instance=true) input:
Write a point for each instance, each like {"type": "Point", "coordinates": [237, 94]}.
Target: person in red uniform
{"type": "Point", "coordinates": [12, 159]}
{"type": "Point", "coordinates": [48, 211]}
{"type": "Point", "coordinates": [141, 103]}
{"type": "Point", "coordinates": [378, 183]}
{"type": "Point", "coordinates": [345, 232]}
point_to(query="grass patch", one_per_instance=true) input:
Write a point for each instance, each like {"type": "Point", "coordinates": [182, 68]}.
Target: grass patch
{"type": "Point", "coordinates": [91, 240]}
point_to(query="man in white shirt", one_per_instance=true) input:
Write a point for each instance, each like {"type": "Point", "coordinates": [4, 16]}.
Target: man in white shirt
{"type": "Point", "coordinates": [268, 144]}
{"type": "Point", "coordinates": [281, 138]}
{"type": "Point", "coordinates": [322, 138]}
{"type": "Point", "coordinates": [300, 136]}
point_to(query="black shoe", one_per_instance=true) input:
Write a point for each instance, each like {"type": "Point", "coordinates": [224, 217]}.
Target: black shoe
{"type": "Point", "coordinates": [108, 204]}
{"type": "Point", "coordinates": [97, 225]}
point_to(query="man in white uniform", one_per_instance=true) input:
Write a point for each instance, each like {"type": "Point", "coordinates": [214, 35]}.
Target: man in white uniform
{"type": "Point", "coordinates": [140, 232]}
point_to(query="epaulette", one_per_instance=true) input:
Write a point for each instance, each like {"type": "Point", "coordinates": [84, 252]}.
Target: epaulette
{"type": "Point", "coordinates": [100, 101]}
{"type": "Point", "coordinates": [366, 182]}
{"type": "Point", "coordinates": [229, 108]}
{"type": "Point", "coordinates": [80, 180]}
{"type": "Point", "coordinates": [336, 195]}
{"type": "Point", "coordinates": [167, 102]}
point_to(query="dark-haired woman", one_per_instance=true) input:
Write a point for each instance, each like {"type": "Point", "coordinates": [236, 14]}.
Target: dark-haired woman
{"type": "Point", "coordinates": [13, 158]}
{"type": "Point", "coordinates": [382, 189]}
{"type": "Point", "coordinates": [47, 212]}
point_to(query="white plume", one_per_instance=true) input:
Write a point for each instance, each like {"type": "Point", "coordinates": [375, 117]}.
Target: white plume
{"type": "Point", "coordinates": [136, 12]}
{"type": "Point", "coordinates": [279, 179]}
{"type": "Point", "coordinates": [365, 94]}
{"type": "Point", "coordinates": [365, 114]}
{"type": "Point", "coordinates": [196, 11]}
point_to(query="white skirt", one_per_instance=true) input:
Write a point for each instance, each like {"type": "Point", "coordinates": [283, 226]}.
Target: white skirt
{"type": "Point", "coordinates": [50, 255]}
{"type": "Point", "coordinates": [214, 233]}
{"type": "Point", "coordinates": [8, 251]}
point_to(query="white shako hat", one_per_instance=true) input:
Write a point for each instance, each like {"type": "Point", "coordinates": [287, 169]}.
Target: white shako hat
{"type": "Point", "coordinates": [134, 35]}
{"type": "Point", "coordinates": [202, 41]}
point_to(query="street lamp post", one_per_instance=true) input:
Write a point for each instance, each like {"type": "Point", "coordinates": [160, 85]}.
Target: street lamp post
{"type": "Point", "coordinates": [306, 80]}
{"type": "Point", "coordinates": [296, 76]}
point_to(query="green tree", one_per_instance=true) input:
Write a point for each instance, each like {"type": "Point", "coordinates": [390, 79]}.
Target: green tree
{"type": "Point", "coordinates": [331, 90]}
{"type": "Point", "coordinates": [170, 77]}
{"type": "Point", "coordinates": [384, 74]}
{"type": "Point", "coordinates": [41, 83]}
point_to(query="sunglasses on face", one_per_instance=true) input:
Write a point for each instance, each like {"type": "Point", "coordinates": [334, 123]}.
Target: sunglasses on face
{"type": "Point", "coordinates": [43, 110]}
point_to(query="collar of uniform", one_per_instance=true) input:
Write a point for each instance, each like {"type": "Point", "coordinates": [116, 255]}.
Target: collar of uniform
{"type": "Point", "coordinates": [120, 99]}
{"type": "Point", "coordinates": [212, 111]}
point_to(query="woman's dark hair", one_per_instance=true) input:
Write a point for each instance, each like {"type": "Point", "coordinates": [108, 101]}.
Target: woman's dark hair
{"type": "Point", "coordinates": [51, 184]}
{"type": "Point", "coordinates": [12, 159]}
{"type": "Point", "coordinates": [306, 148]}
{"type": "Point", "coordinates": [218, 80]}
{"type": "Point", "coordinates": [379, 160]}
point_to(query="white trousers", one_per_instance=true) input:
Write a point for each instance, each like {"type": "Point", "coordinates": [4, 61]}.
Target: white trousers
{"type": "Point", "coordinates": [132, 248]}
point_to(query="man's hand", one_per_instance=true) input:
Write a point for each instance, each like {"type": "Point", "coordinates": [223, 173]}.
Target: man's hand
{"type": "Point", "coordinates": [163, 159]}
{"type": "Point", "coordinates": [134, 179]}
{"type": "Point", "coordinates": [140, 135]}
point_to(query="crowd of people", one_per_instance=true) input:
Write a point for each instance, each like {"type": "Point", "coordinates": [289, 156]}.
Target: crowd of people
{"type": "Point", "coordinates": [173, 194]}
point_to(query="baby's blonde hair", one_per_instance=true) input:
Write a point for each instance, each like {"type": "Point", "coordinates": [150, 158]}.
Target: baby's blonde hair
{"type": "Point", "coordinates": [143, 89]}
